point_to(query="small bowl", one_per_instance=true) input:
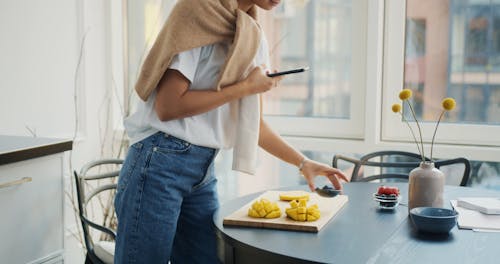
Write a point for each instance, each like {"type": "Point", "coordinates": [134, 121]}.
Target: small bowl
{"type": "Point", "coordinates": [433, 219]}
{"type": "Point", "coordinates": [328, 191]}
{"type": "Point", "coordinates": [387, 202]}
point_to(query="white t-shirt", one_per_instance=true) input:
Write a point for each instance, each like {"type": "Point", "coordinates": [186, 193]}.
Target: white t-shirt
{"type": "Point", "coordinates": [214, 128]}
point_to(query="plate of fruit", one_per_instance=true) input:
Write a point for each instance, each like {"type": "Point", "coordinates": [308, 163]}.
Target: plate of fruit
{"type": "Point", "coordinates": [387, 197]}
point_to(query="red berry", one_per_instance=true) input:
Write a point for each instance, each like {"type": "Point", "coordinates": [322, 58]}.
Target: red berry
{"type": "Point", "coordinates": [388, 190]}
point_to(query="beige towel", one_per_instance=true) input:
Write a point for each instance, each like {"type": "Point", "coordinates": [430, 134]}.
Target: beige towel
{"type": "Point", "coordinates": [196, 23]}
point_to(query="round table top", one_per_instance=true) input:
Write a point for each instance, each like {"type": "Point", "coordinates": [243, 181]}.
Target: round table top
{"type": "Point", "coordinates": [362, 233]}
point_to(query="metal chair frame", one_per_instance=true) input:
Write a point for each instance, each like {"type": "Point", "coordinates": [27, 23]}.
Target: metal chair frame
{"type": "Point", "coordinates": [83, 200]}
{"type": "Point", "coordinates": [365, 161]}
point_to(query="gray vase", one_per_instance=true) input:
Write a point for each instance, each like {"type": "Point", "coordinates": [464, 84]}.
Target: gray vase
{"type": "Point", "coordinates": [425, 186]}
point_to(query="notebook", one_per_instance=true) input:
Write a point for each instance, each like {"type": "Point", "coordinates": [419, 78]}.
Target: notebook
{"type": "Point", "coordinates": [485, 205]}
{"type": "Point", "coordinates": [472, 219]}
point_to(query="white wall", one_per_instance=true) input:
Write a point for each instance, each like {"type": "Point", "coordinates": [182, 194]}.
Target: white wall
{"type": "Point", "coordinates": [39, 51]}
{"type": "Point", "coordinates": [38, 54]}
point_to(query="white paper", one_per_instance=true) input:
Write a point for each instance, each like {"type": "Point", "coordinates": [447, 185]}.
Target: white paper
{"type": "Point", "coordinates": [471, 219]}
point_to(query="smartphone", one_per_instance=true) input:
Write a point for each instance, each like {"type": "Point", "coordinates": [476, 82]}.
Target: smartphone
{"type": "Point", "coordinates": [274, 74]}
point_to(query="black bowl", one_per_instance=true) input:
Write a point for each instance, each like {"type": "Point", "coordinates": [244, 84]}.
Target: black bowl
{"type": "Point", "coordinates": [433, 219]}
{"type": "Point", "coordinates": [328, 191]}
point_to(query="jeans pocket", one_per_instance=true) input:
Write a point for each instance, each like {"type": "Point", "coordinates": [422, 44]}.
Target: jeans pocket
{"type": "Point", "coordinates": [129, 165]}
{"type": "Point", "coordinates": [172, 144]}
{"type": "Point", "coordinates": [209, 170]}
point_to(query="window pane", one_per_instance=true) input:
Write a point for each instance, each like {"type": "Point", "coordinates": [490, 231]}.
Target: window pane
{"type": "Point", "coordinates": [453, 49]}
{"type": "Point", "coordinates": [319, 35]}
{"type": "Point", "coordinates": [485, 175]}
{"type": "Point", "coordinates": [144, 21]}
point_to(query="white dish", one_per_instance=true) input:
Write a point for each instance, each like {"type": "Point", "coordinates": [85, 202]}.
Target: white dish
{"type": "Point", "coordinates": [385, 197]}
{"type": "Point", "coordinates": [387, 203]}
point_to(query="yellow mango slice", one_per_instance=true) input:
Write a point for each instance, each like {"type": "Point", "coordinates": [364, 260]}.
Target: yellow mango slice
{"type": "Point", "coordinates": [316, 214]}
{"type": "Point", "coordinates": [268, 207]}
{"type": "Point", "coordinates": [264, 208]}
{"type": "Point", "coordinates": [253, 213]}
{"type": "Point", "coordinates": [301, 217]}
{"type": "Point", "coordinates": [299, 211]}
{"type": "Point", "coordinates": [292, 213]}
{"type": "Point", "coordinates": [294, 195]}
{"type": "Point", "coordinates": [273, 214]}
{"type": "Point", "coordinates": [311, 218]}
{"type": "Point", "coordinates": [257, 206]}
{"type": "Point", "coordinates": [262, 212]}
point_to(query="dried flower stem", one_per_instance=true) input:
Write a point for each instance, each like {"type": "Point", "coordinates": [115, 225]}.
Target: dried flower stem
{"type": "Point", "coordinates": [412, 133]}
{"type": "Point", "coordinates": [435, 130]}
{"type": "Point", "coordinates": [419, 130]}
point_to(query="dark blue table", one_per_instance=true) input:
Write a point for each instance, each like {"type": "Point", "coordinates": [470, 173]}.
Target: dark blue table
{"type": "Point", "coordinates": [359, 233]}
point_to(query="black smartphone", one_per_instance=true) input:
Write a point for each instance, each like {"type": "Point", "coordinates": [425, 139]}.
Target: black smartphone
{"type": "Point", "coordinates": [274, 74]}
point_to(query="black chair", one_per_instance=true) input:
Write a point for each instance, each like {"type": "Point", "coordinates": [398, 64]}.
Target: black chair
{"type": "Point", "coordinates": [98, 251]}
{"type": "Point", "coordinates": [398, 164]}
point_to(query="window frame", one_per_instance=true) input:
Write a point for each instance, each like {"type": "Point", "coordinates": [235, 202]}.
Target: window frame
{"type": "Point", "coordinates": [352, 128]}
{"type": "Point", "coordinates": [393, 129]}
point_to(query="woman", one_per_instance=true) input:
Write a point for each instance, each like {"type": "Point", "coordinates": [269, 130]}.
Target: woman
{"type": "Point", "coordinates": [200, 84]}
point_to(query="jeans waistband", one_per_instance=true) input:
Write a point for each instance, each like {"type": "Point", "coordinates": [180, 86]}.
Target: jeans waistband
{"type": "Point", "coordinates": [160, 134]}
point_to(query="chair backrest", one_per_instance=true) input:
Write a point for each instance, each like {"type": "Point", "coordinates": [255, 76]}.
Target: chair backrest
{"type": "Point", "coordinates": [396, 160]}
{"type": "Point", "coordinates": [83, 182]}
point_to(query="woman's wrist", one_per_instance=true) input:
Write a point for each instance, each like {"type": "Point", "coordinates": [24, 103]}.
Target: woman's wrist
{"type": "Point", "coordinates": [237, 90]}
{"type": "Point", "coordinates": [245, 88]}
{"type": "Point", "coordinates": [302, 163]}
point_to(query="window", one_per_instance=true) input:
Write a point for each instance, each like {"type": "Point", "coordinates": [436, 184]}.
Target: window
{"type": "Point", "coordinates": [328, 36]}
{"type": "Point", "coordinates": [473, 76]}
{"type": "Point", "coordinates": [450, 51]}
{"type": "Point", "coordinates": [144, 19]}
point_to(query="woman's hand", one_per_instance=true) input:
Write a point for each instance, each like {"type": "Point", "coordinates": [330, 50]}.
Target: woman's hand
{"type": "Point", "coordinates": [311, 169]}
{"type": "Point", "coordinates": [258, 81]}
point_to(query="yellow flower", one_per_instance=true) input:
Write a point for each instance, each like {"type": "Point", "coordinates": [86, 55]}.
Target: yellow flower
{"type": "Point", "coordinates": [405, 94]}
{"type": "Point", "coordinates": [396, 108]}
{"type": "Point", "coordinates": [448, 104]}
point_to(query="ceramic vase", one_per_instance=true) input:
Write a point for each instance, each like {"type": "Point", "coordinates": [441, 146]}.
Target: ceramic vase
{"type": "Point", "coordinates": [425, 186]}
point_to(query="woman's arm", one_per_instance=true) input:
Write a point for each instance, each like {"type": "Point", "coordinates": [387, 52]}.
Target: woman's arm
{"type": "Point", "coordinates": [174, 99]}
{"type": "Point", "coordinates": [273, 143]}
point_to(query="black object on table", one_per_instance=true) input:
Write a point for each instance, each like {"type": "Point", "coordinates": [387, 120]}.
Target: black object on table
{"type": "Point", "coordinates": [359, 233]}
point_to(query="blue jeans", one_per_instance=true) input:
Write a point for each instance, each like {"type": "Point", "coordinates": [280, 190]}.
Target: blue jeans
{"type": "Point", "coordinates": [165, 199]}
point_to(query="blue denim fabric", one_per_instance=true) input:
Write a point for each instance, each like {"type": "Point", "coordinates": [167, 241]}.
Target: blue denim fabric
{"type": "Point", "coordinates": [165, 199]}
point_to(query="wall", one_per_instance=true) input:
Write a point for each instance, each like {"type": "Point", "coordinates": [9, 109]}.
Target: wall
{"type": "Point", "coordinates": [40, 93]}
{"type": "Point", "coordinates": [39, 53]}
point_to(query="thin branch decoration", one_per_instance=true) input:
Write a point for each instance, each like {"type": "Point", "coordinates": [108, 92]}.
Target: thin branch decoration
{"type": "Point", "coordinates": [405, 95]}
{"type": "Point", "coordinates": [71, 195]}
{"type": "Point", "coordinates": [448, 104]}
{"type": "Point", "coordinates": [396, 108]}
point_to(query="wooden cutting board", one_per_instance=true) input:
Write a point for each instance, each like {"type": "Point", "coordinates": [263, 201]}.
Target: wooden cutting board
{"type": "Point", "coordinates": [329, 207]}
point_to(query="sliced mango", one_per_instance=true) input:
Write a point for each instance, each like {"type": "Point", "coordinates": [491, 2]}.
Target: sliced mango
{"type": "Point", "coordinates": [253, 213]}
{"type": "Point", "coordinates": [294, 195]}
{"type": "Point", "coordinates": [263, 208]}
{"type": "Point", "coordinates": [299, 211]}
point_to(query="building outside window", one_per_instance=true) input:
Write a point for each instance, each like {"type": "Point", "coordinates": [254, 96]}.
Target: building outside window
{"type": "Point", "coordinates": [452, 49]}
